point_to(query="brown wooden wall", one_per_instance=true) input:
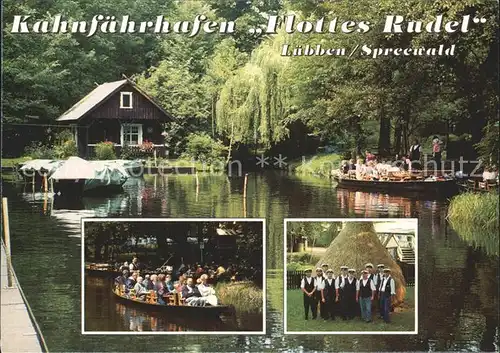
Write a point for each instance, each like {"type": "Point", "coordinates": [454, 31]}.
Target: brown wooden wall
{"type": "Point", "coordinates": [142, 108]}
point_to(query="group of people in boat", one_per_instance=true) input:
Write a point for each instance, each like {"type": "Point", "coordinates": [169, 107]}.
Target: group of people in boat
{"type": "Point", "coordinates": [193, 284]}
{"type": "Point", "coordinates": [194, 292]}
{"type": "Point", "coordinates": [347, 296]}
{"type": "Point", "coordinates": [372, 167]}
{"type": "Point", "coordinates": [215, 272]}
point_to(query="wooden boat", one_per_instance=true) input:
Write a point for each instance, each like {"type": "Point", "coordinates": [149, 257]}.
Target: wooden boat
{"type": "Point", "coordinates": [437, 187]}
{"type": "Point", "coordinates": [175, 305]}
{"type": "Point", "coordinates": [481, 186]}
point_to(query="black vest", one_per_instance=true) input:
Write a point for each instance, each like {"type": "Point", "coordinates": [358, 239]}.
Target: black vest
{"type": "Point", "coordinates": [415, 153]}
{"type": "Point", "coordinates": [365, 291]}
{"type": "Point", "coordinates": [329, 290]}
{"type": "Point", "coordinates": [379, 281]}
{"type": "Point", "coordinates": [387, 289]}
{"type": "Point", "coordinates": [309, 286]}
{"type": "Point", "coordinates": [349, 288]}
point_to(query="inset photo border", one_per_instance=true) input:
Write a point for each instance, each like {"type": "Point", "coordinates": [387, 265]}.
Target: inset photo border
{"type": "Point", "coordinates": [356, 245]}
{"type": "Point", "coordinates": [229, 300]}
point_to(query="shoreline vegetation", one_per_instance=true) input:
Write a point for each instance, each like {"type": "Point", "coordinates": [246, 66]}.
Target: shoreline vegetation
{"type": "Point", "coordinates": [474, 216]}
{"type": "Point", "coordinates": [245, 296]}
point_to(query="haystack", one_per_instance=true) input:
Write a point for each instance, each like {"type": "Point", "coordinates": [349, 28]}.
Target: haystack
{"type": "Point", "coordinates": [358, 244]}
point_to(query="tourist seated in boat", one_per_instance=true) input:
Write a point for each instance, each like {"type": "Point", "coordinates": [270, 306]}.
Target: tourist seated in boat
{"type": "Point", "coordinates": [131, 281]}
{"type": "Point", "coordinates": [207, 291]}
{"type": "Point", "coordinates": [191, 294]}
{"type": "Point", "coordinates": [179, 284]}
{"type": "Point", "coordinates": [147, 282]}
{"type": "Point", "coordinates": [490, 174]}
{"type": "Point", "coordinates": [123, 267]}
{"type": "Point", "coordinates": [369, 157]}
{"type": "Point", "coordinates": [344, 167]}
{"type": "Point", "coordinates": [169, 284]}
{"type": "Point", "coordinates": [159, 287]}
{"type": "Point", "coordinates": [122, 279]}
{"type": "Point", "coordinates": [140, 289]}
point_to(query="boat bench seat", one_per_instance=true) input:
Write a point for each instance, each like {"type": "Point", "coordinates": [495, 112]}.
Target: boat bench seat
{"type": "Point", "coordinates": [151, 297]}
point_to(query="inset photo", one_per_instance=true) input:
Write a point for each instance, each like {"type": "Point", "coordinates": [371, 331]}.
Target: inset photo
{"type": "Point", "coordinates": [173, 276]}
{"type": "Point", "coordinates": [346, 276]}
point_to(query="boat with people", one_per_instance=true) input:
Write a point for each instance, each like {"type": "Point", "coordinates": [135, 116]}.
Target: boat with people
{"type": "Point", "coordinates": [174, 304]}
{"type": "Point", "coordinates": [445, 187]}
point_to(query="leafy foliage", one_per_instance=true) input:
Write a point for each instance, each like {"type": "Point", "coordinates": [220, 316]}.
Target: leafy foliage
{"type": "Point", "coordinates": [105, 151]}
{"type": "Point", "coordinates": [201, 147]}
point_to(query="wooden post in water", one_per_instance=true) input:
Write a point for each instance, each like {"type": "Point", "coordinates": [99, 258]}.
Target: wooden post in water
{"type": "Point", "coordinates": [6, 230]}
{"type": "Point", "coordinates": [45, 183]}
{"type": "Point", "coordinates": [33, 183]}
{"type": "Point", "coordinates": [245, 183]}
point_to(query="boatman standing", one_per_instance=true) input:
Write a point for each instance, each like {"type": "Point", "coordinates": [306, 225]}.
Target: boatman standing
{"type": "Point", "coordinates": [387, 294]}
{"type": "Point", "coordinates": [365, 293]}
{"type": "Point", "coordinates": [328, 296]}
{"type": "Point", "coordinates": [339, 290]}
{"type": "Point", "coordinates": [319, 281]}
{"type": "Point", "coordinates": [308, 287]}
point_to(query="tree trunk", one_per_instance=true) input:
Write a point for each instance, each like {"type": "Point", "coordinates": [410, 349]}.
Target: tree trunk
{"type": "Point", "coordinates": [384, 141]}
{"type": "Point", "coordinates": [397, 138]}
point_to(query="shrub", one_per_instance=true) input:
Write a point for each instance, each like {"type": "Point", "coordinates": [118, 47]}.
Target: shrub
{"type": "Point", "coordinates": [146, 148]}
{"type": "Point", "coordinates": [130, 152]}
{"type": "Point", "coordinates": [245, 296]}
{"type": "Point", "coordinates": [201, 147]}
{"type": "Point", "coordinates": [37, 150]}
{"type": "Point", "coordinates": [105, 150]}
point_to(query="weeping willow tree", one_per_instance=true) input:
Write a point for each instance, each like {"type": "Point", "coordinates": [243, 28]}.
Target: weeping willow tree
{"type": "Point", "coordinates": [252, 103]}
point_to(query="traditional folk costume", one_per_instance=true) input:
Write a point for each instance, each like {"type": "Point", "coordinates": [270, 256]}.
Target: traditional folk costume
{"type": "Point", "coordinates": [319, 281]}
{"type": "Point", "coordinates": [377, 280]}
{"type": "Point", "coordinates": [365, 292]}
{"type": "Point", "coordinates": [386, 290]}
{"type": "Point", "coordinates": [339, 290]}
{"type": "Point", "coordinates": [349, 304]}
{"type": "Point", "coordinates": [308, 286]}
{"type": "Point", "coordinates": [328, 294]}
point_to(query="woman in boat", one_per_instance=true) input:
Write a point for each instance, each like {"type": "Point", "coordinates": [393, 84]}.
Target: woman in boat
{"type": "Point", "coordinates": [207, 291]}
{"type": "Point", "coordinates": [178, 285]}
{"type": "Point", "coordinates": [192, 294]}
{"type": "Point", "coordinates": [140, 290]}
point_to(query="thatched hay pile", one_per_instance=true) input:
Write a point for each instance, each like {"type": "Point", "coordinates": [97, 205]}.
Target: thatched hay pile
{"type": "Point", "coordinates": [358, 244]}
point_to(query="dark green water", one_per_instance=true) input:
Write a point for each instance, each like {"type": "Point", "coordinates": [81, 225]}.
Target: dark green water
{"type": "Point", "coordinates": [458, 285]}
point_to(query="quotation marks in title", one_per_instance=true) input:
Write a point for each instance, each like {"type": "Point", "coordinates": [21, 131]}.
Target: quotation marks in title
{"type": "Point", "coordinates": [255, 31]}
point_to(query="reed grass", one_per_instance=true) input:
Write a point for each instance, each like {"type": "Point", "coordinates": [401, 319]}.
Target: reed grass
{"type": "Point", "coordinates": [320, 164]}
{"type": "Point", "coordinates": [245, 296]}
{"type": "Point", "coordinates": [475, 218]}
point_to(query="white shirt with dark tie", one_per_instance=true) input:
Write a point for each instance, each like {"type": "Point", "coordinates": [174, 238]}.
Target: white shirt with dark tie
{"type": "Point", "coordinates": [358, 284]}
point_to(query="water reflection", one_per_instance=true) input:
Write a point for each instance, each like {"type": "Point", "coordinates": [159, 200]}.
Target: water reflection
{"type": "Point", "coordinates": [458, 295]}
{"type": "Point", "coordinates": [106, 312]}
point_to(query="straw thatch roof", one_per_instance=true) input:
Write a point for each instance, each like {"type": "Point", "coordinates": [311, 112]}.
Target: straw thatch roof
{"type": "Point", "coordinates": [358, 244]}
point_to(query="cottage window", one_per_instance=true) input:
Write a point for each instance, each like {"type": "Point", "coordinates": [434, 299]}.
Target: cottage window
{"type": "Point", "coordinates": [131, 134]}
{"type": "Point", "coordinates": [126, 100]}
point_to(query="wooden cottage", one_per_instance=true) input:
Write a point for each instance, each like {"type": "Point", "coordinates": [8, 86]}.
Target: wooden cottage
{"type": "Point", "coordinates": [118, 112]}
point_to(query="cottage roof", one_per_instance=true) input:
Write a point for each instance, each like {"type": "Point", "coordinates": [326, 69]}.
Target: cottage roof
{"type": "Point", "coordinates": [100, 94]}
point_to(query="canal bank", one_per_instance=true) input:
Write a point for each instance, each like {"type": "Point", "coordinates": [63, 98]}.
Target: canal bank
{"type": "Point", "coordinates": [20, 332]}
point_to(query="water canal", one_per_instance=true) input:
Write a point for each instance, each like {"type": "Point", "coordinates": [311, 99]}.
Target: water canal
{"type": "Point", "coordinates": [458, 296]}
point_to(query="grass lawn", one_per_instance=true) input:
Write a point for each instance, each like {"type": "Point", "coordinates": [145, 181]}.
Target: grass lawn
{"type": "Point", "coordinates": [319, 164]}
{"type": "Point", "coordinates": [401, 321]}
{"type": "Point", "coordinates": [11, 162]}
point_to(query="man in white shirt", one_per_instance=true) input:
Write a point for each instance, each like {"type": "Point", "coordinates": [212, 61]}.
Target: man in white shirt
{"type": "Point", "coordinates": [308, 287]}
{"type": "Point", "coordinates": [387, 292]}
{"type": "Point", "coordinates": [365, 293]}
{"type": "Point", "coordinates": [319, 281]}
{"type": "Point", "coordinates": [328, 296]}
{"type": "Point", "coordinates": [324, 268]}
{"type": "Point", "coordinates": [349, 306]}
